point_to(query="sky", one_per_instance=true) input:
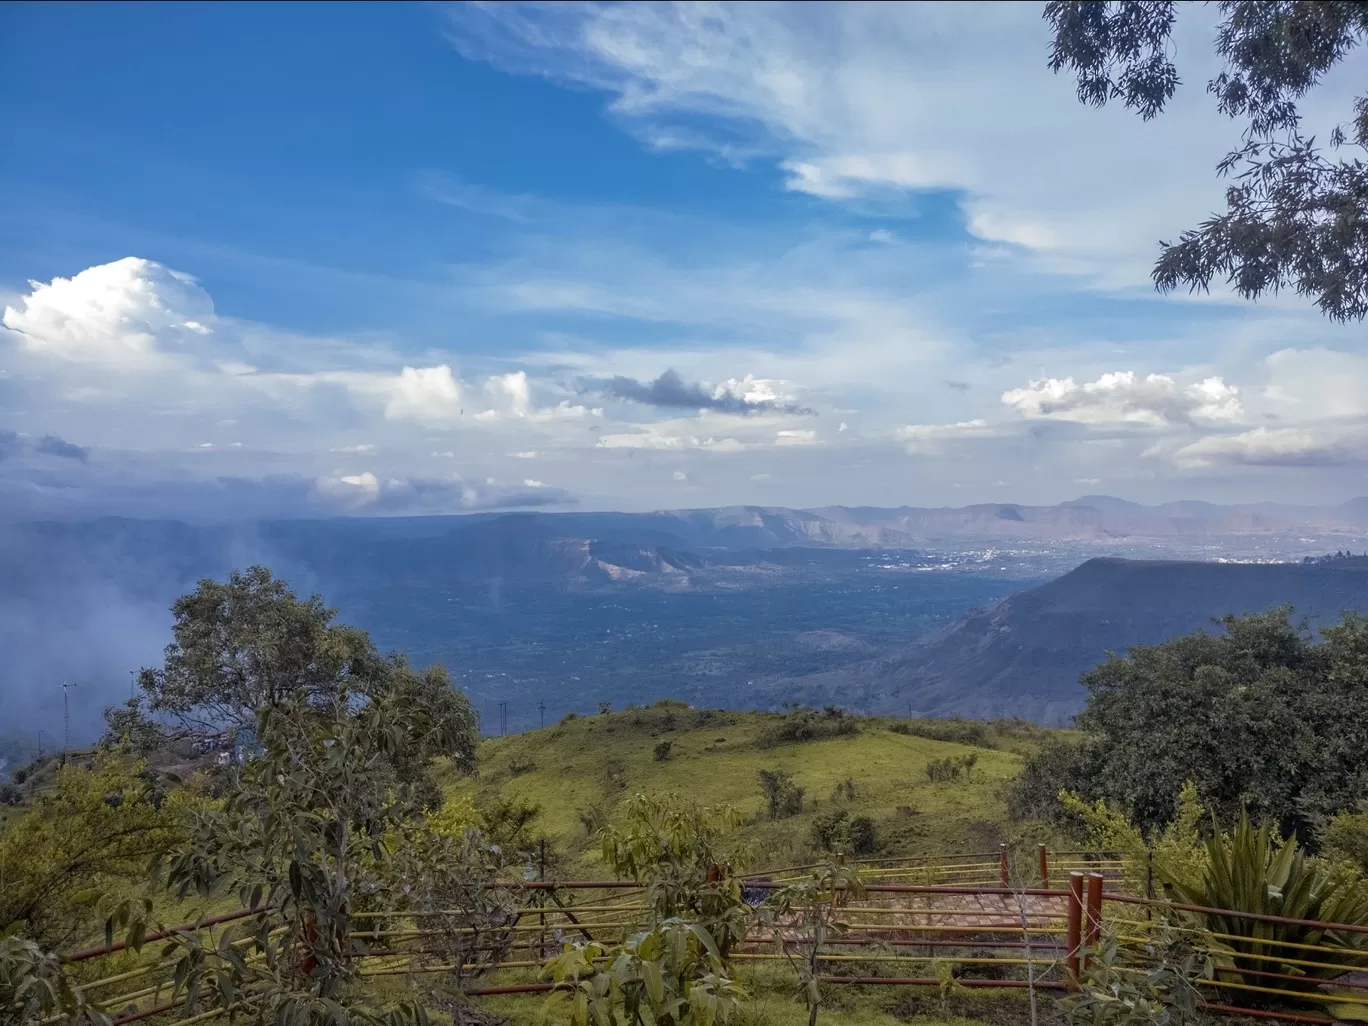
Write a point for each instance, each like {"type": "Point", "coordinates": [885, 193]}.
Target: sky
{"type": "Point", "coordinates": [314, 259]}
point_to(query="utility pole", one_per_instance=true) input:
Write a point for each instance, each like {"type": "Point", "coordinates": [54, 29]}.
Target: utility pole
{"type": "Point", "coordinates": [41, 732]}
{"type": "Point", "coordinates": [503, 718]}
{"type": "Point", "coordinates": [541, 708]}
{"type": "Point", "coordinates": [66, 719]}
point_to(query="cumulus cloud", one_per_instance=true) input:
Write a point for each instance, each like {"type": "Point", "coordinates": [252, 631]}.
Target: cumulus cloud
{"type": "Point", "coordinates": [423, 393]}
{"type": "Point", "coordinates": [123, 313]}
{"type": "Point", "coordinates": [1123, 397]}
{"type": "Point", "coordinates": [670, 391]}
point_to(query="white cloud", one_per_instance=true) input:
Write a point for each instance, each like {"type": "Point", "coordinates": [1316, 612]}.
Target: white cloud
{"type": "Point", "coordinates": [1280, 447]}
{"type": "Point", "coordinates": [928, 439]}
{"type": "Point", "coordinates": [796, 436]}
{"type": "Point", "coordinates": [1122, 397]}
{"type": "Point", "coordinates": [679, 475]}
{"type": "Point", "coordinates": [850, 101]}
{"type": "Point", "coordinates": [124, 313]}
{"type": "Point", "coordinates": [513, 390]}
{"type": "Point", "coordinates": [423, 393]}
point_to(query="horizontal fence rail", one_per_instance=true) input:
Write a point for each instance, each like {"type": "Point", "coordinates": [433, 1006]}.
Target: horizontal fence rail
{"type": "Point", "coordinates": [998, 922]}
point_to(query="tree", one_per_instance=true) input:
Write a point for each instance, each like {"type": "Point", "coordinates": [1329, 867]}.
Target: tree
{"type": "Point", "coordinates": [250, 644]}
{"type": "Point", "coordinates": [1259, 718]}
{"type": "Point", "coordinates": [325, 824]}
{"type": "Point", "coordinates": [96, 833]}
{"type": "Point", "coordinates": [811, 909]}
{"type": "Point", "coordinates": [1295, 216]}
{"type": "Point", "coordinates": [677, 967]}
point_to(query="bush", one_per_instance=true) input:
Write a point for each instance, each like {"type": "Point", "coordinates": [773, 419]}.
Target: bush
{"type": "Point", "coordinates": [808, 725]}
{"type": "Point", "coordinates": [1057, 766]}
{"type": "Point", "coordinates": [605, 708]}
{"type": "Point", "coordinates": [10, 795]}
{"type": "Point", "coordinates": [615, 774]}
{"type": "Point", "coordinates": [1253, 870]}
{"type": "Point", "coordinates": [20, 776]}
{"type": "Point", "coordinates": [662, 751]}
{"type": "Point", "coordinates": [844, 791]}
{"type": "Point", "coordinates": [1346, 838]}
{"type": "Point", "coordinates": [568, 717]}
{"type": "Point", "coordinates": [956, 730]}
{"type": "Point", "coordinates": [864, 838]}
{"type": "Point", "coordinates": [593, 819]}
{"type": "Point", "coordinates": [831, 830]}
{"type": "Point", "coordinates": [783, 797]}
{"type": "Point", "coordinates": [941, 771]}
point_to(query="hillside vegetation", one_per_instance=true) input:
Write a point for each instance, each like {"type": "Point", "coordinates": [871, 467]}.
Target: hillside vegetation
{"type": "Point", "coordinates": [577, 772]}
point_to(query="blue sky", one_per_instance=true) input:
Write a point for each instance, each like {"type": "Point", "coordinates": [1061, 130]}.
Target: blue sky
{"type": "Point", "coordinates": [301, 259]}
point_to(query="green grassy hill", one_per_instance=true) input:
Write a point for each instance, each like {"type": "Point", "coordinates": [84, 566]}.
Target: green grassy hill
{"type": "Point", "coordinates": [579, 770]}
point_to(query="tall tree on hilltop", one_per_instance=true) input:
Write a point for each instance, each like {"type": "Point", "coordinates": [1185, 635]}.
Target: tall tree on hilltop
{"type": "Point", "coordinates": [1295, 216]}
{"type": "Point", "coordinates": [249, 644]}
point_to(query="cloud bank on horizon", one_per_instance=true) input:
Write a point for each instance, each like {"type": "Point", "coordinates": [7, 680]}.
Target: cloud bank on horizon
{"type": "Point", "coordinates": [885, 258]}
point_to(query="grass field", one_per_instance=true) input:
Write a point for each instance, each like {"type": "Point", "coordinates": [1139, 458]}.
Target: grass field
{"type": "Point", "coordinates": [578, 771]}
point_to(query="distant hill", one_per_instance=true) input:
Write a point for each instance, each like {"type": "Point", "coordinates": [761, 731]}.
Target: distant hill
{"type": "Point", "coordinates": [1023, 655]}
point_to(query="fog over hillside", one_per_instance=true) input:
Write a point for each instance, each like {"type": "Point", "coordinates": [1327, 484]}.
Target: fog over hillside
{"type": "Point", "coordinates": [728, 606]}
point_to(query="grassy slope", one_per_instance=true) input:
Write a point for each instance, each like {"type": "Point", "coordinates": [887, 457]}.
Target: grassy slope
{"type": "Point", "coordinates": [716, 756]}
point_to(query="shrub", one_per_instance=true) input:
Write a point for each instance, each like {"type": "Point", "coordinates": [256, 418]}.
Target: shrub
{"type": "Point", "coordinates": [10, 795]}
{"type": "Point", "coordinates": [956, 730]}
{"type": "Point", "coordinates": [783, 797]}
{"type": "Point", "coordinates": [1253, 870]}
{"type": "Point", "coordinates": [807, 725]}
{"type": "Point", "coordinates": [593, 819]}
{"type": "Point", "coordinates": [1345, 838]}
{"type": "Point", "coordinates": [518, 766]}
{"type": "Point", "coordinates": [662, 751]}
{"type": "Point", "coordinates": [20, 776]}
{"type": "Point", "coordinates": [844, 791]}
{"type": "Point", "coordinates": [568, 717]}
{"type": "Point", "coordinates": [864, 838]}
{"type": "Point", "coordinates": [831, 830]}
{"type": "Point", "coordinates": [605, 708]}
{"type": "Point", "coordinates": [941, 771]}
{"type": "Point", "coordinates": [615, 774]}
{"type": "Point", "coordinates": [1057, 766]}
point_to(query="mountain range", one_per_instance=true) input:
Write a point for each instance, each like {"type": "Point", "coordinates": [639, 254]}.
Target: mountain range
{"type": "Point", "coordinates": [1023, 655]}
{"type": "Point", "coordinates": [748, 606]}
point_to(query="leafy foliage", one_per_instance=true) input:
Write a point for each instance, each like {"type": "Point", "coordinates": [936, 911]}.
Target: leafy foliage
{"type": "Point", "coordinates": [673, 971]}
{"type": "Point", "coordinates": [1164, 994]}
{"type": "Point", "coordinates": [34, 986]}
{"type": "Point", "coordinates": [1258, 717]}
{"type": "Point", "coordinates": [677, 966]}
{"type": "Point", "coordinates": [1346, 838]}
{"type": "Point", "coordinates": [811, 909]}
{"type": "Point", "coordinates": [803, 724]}
{"type": "Point", "coordinates": [783, 798]}
{"type": "Point", "coordinates": [95, 833]}
{"type": "Point", "coordinates": [325, 823]}
{"type": "Point", "coordinates": [1294, 216]}
{"type": "Point", "coordinates": [1252, 870]}
{"type": "Point", "coordinates": [1179, 846]}
{"type": "Point", "coordinates": [951, 768]}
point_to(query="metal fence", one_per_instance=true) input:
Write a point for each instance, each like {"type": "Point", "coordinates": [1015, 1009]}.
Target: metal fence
{"type": "Point", "coordinates": [982, 920]}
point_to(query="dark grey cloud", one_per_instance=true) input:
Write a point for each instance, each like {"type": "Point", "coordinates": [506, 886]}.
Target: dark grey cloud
{"type": "Point", "coordinates": [51, 445]}
{"type": "Point", "coordinates": [671, 391]}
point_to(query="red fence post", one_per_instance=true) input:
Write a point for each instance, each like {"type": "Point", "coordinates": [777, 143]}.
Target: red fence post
{"type": "Point", "coordinates": [1002, 865]}
{"type": "Point", "coordinates": [1044, 867]}
{"type": "Point", "coordinates": [1094, 912]}
{"type": "Point", "coordinates": [1074, 940]}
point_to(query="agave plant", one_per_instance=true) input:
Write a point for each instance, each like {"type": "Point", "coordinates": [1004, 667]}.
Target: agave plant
{"type": "Point", "coordinates": [1253, 872]}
